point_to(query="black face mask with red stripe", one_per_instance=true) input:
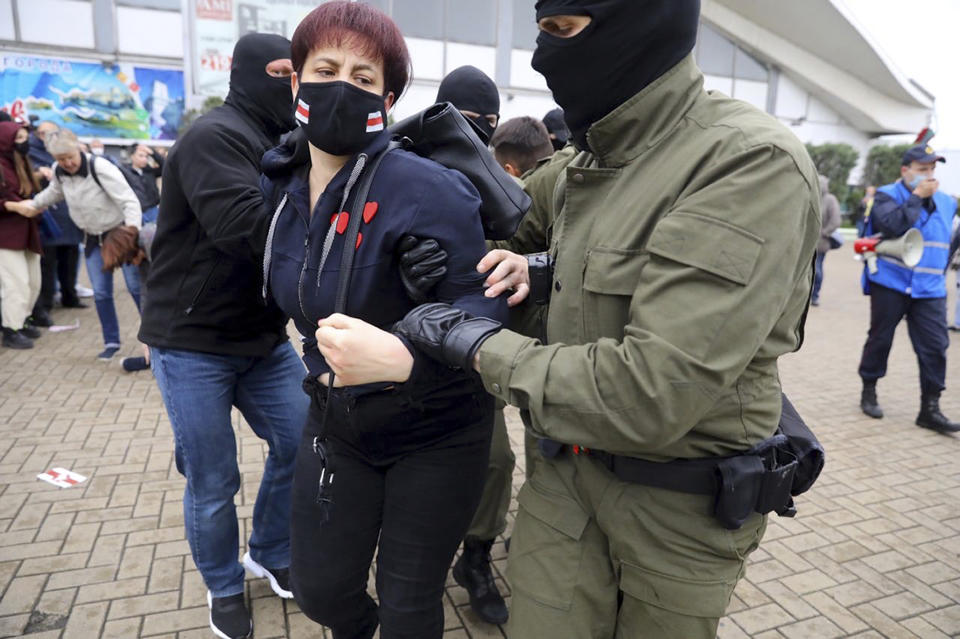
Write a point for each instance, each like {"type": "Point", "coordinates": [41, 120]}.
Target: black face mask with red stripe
{"type": "Point", "coordinates": [338, 117]}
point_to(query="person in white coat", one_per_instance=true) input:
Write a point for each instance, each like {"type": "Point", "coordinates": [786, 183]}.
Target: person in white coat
{"type": "Point", "coordinates": [100, 200]}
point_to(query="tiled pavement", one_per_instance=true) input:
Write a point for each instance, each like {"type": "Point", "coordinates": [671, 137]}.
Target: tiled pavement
{"type": "Point", "coordinates": [874, 552]}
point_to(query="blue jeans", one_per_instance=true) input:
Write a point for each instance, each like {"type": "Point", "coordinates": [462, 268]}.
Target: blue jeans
{"type": "Point", "coordinates": [102, 284]}
{"type": "Point", "coordinates": [150, 215]}
{"type": "Point", "coordinates": [818, 276]}
{"type": "Point", "coordinates": [199, 390]}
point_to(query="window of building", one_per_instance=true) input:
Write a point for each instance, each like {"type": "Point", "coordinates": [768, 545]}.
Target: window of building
{"type": "Point", "coordinates": [714, 52]}
{"type": "Point", "coordinates": [6, 20]}
{"type": "Point", "coordinates": [73, 26]}
{"type": "Point", "coordinates": [167, 5]}
{"type": "Point", "coordinates": [420, 18]}
{"type": "Point", "coordinates": [746, 67]}
{"type": "Point", "coordinates": [454, 20]}
{"type": "Point", "coordinates": [524, 24]}
{"type": "Point", "coordinates": [472, 22]}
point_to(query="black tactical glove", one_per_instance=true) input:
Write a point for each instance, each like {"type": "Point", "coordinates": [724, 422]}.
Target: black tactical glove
{"type": "Point", "coordinates": [445, 333]}
{"type": "Point", "coordinates": [422, 267]}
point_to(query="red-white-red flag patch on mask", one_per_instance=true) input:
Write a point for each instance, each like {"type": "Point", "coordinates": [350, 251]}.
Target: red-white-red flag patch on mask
{"type": "Point", "coordinates": [374, 122]}
{"type": "Point", "coordinates": [303, 112]}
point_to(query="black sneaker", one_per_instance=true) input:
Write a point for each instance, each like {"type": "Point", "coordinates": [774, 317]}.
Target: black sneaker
{"type": "Point", "coordinates": [279, 578]}
{"type": "Point", "coordinates": [229, 617]}
{"type": "Point", "coordinates": [134, 364]}
{"type": "Point", "coordinates": [15, 339]}
{"type": "Point", "coordinates": [108, 353]}
{"type": "Point", "coordinates": [40, 317]}
{"type": "Point", "coordinates": [30, 331]}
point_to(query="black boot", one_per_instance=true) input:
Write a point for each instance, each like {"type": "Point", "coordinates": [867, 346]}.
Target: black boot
{"type": "Point", "coordinates": [16, 339]}
{"type": "Point", "coordinates": [40, 317]}
{"type": "Point", "coordinates": [931, 417]}
{"type": "Point", "coordinates": [472, 572]}
{"type": "Point", "coordinates": [868, 400]}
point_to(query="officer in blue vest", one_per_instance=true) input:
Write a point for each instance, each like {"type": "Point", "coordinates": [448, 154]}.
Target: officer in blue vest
{"type": "Point", "coordinates": [919, 293]}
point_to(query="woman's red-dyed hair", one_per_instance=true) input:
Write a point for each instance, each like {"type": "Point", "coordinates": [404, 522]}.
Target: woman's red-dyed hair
{"type": "Point", "coordinates": [359, 26]}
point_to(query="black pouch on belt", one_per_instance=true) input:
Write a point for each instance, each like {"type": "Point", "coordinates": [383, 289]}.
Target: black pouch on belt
{"type": "Point", "coordinates": [760, 481]}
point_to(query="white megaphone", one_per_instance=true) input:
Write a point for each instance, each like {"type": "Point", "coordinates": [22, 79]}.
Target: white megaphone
{"type": "Point", "coordinates": [908, 248]}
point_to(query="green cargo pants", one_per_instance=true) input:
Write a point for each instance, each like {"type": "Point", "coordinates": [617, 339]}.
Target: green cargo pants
{"type": "Point", "coordinates": [490, 519]}
{"type": "Point", "coordinates": [593, 557]}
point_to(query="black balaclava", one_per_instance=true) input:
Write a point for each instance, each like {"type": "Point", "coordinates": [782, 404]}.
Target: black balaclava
{"type": "Point", "coordinates": [253, 90]}
{"type": "Point", "coordinates": [470, 89]}
{"type": "Point", "coordinates": [557, 128]}
{"type": "Point", "coordinates": [627, 45]}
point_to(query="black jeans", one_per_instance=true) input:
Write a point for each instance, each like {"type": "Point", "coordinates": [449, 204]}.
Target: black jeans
{"type": "Point", "coordinates": [927, 326]}
{"type": "Point", "coordinates": [59, 263]}
{"type": "Point", "coordinates": [409, 475]}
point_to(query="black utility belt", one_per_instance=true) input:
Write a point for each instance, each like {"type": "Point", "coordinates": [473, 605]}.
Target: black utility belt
{"type": "Point", "coordinates": [759, 480]}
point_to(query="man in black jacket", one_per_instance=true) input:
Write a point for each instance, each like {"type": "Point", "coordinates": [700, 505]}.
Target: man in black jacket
{"type": "Point", "coordinates": [214, 342]}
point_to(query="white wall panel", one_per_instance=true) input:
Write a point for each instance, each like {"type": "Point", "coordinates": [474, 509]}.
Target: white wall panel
{"type": "Point", "coordinates": [821, 113]}
{"type": "Point", "coordinates": [6, 20]}
{"type": "Point", "coordinates": [754, 93]}
{"type": "Point", "coordinates": [484, 58]}
{"type": "Point", "coordinates": [791, 99]}
{"type": "Point", "coordinates": [149, 32]}
{"type": "Point", "coordinates": [718, 83]}
{"type": "Point", "coordinates": [522, 74]}
{"type": "Point", "coordinates": [427, 56]}
{"type": "Point", "coordinates": [416, 98]}
{"type": "Point", "coordinates": [67, 23]}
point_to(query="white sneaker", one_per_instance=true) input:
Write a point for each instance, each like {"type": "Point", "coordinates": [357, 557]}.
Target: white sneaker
{"type": "Point", "coordinates": [279, 578]}
{"type": "Point", "coordinates": [83, 291]}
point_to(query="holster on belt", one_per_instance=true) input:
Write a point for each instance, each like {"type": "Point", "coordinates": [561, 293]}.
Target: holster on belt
{"type": "Point", "coordinates": [763, 479]}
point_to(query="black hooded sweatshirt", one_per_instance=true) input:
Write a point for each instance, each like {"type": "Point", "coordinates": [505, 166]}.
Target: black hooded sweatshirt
{"type": "Point", "coordinates": [206, 274]}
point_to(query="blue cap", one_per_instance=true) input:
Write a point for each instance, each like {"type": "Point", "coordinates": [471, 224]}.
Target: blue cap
{"type": "Point", "coordinates": [923, 154]}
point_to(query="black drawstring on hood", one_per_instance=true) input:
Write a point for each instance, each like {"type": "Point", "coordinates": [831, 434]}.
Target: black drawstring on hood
{"type": "Point", "coordinates": [627, 45]}
{"type": "Point", "coordinates": [252, 90]}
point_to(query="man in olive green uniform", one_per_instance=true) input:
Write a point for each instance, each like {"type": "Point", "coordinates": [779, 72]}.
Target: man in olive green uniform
{"type": "Point", "coordinates": [683, 235]}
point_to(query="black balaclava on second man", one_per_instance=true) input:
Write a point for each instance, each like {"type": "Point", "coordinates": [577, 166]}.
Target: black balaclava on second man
{"type": "Point", "coordinates": [557, 128]}
{"type": "Point", "coordinates": [255, 91]}
{"type": "Point", "coordinates": [470, 89]}
{"type": "Point", "coordinates": [627, 45]}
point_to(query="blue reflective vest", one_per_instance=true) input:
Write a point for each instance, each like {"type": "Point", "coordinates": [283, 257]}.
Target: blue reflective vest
{"type": "Point", "coordinates": [927, 279]}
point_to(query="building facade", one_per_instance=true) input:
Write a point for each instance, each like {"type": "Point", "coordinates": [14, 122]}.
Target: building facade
{"type": "Point", "coordinates": [809, 64]}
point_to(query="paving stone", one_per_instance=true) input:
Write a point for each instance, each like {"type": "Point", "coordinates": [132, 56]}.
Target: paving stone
{"type": "Point", "coordinates": [136, 562]}
{"type": "Point", "coordinates": [85, 621]}
{"type": "Point", "coordinates": [946, 620]}
{"type": "Point", "coordinates": [122, 628]}
{"type": "Point", "coordinates": [53, 563]}
{"type": "Point", "coordinates": [819, 627]}
{"type": "Point", "coordinates": [13, 626]}
{"type": "Point", "coordinates": [923, 629]}
{"type": "Point", "coordinates": [166, 574]}
{"type": "Point", "coordinates": [21, 595]}
{"type": "Point", "coordinates": [176, 620]}
{"type": "Point", "coordinates": [118, 589]}
{"type": "Point", "coordinates": [81, 577]}
{"type": "Point", "coordinates": [808, 581]}
{"type": "Point", "coordinates": [144, 605]}
{"type": "Point", "coordinates": [57, 602]}
{"type": "Point", "coordinates": [838, 614]}
{"type": "Point", "coordinates": [762, 618]}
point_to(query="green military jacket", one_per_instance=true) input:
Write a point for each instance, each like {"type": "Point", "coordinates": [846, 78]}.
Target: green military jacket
{"type": "Point", "coordinates": [683, 245]}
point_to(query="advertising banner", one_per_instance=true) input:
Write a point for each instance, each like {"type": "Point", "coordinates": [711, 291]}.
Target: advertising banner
{"type": "Point", "coordinates": [218, 24]}
{"type": "Point", "coordinates": [114, 102]}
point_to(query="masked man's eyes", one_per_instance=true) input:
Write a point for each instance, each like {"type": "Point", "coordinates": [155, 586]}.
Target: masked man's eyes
{"type": "Point", "coordinates": [564, 26]}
